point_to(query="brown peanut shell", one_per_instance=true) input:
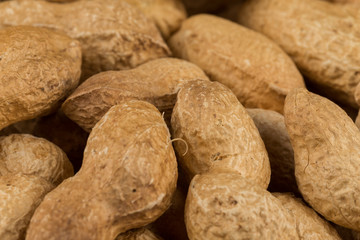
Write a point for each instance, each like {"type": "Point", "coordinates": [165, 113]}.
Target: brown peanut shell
{"type": "Point", "coordinates": [224, 205]}
{"type": "Point", "coordinates": [326, 146]}
{"type": "Point", "coordinates": [29, 155]}
{"type": "Point", "coordinates": [322, 38]}
{"type": "Point", "coordinates": [156, 81]}
{"type": "Point", "coordinates": [218, 133]}
{"type": "Point", "coordinates": [127, 179]}
{"type": "Point", "coordinates": [309, 224]}
{"type": "Point", "coordinates": [38, 68]}
{"type": "Point", "coordinates": [113, 34]}
{"type": "Point", "coordinates": [256, 69]}
{"type": "Point", "coordinates": [20, 194]}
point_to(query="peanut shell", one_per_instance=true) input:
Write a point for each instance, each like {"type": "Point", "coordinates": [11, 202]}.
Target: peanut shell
{"type": "Point", "coordinates": [326, 146]}
{"type": "Point", "coordinates": [218, 133]}
{"type": "Point", "coordinates": [252, 66]}
{"type": "Point", "coordinates": [113, 34]}
{"type": "Point", "coordinates": [129, 173]}
{"type": "Point", "coordinates": [38, 68]}
{"type": "Point", "coordinates": [224, 205]}
{"type": "Point", "coordinates": [29, 155]}
{"type": "Point", "coordinates": [156, 81]}
{"type": "Point", "coordinates": [322, 38]}
{"type": "Point", "coordinates": [272, 129]}
{"type": "Point", "coordinates": [19, 196]}
{"type": "Point", "coordinates": [309, 224]}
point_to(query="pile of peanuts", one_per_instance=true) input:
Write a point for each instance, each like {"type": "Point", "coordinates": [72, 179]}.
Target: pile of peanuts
{"type": "Point", "coordinates": [179, 119]}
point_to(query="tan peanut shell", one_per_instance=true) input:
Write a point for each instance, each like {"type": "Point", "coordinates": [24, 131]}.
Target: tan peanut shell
{"type": "Point", "coordinates": [252, 66]}
{"type": "Point", "coordinates": [272, 129]}
{"type": "Point", "coordinates": [20, 194]}
{"type": "Point", "coordinates": [127, 179]}
{"type": "Point", "coordinates": [38, 68]}
{"type": "Point", "coordinates": [58, 129]}
{"type": "Point", "coordinates": [29, 168]}
{"type": "Point", "coordinates": [322, 38]}
{"type": "Point", "coordinates": [219, 133]}
{"type": "Point", "coordinates": [138, 234]}
{"type": "Point", "coordinates": [309, 224]}
{"type": "Point", "coordinates": [113, 34]}
{"type": "Point", "coordinates": [227, 206]}
{"type": "Point", "coordinates": [326, 146]}
{"type": "Point", "coordinates": [167, 14]}
{"type": "Point", "coordinates": [156, 81]}
{"type": "Point", "coordinates": [24, 153]}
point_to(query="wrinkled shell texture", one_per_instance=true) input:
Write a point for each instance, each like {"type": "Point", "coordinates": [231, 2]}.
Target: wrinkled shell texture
{"type": "Point", "coordinates": [138, 234]}
{"type": "Point", "coordinates": [310, 226]}
{"type": "Point", "coordinates": [157, 82]}
{"type": "Point", "coordinates": [129, 171]}
{"type": "Point", "coordinates": [167, 14]}
{"type": "Point", "coordinates": [322, 38]}
{"type": "Point", "coordinates": [63, 132]}
{"type": "Point", "coordinates": [219, 133]}
{"type": "Point", "coordinates": [19, 196]}
{"type": "Point", "coordinates": [326, 146]}
{"type": "Point", "coordinates": [252, 66]}
{"type": "Point", "coordinates": [113, 34]}
{"type": "Point", "coordinates": [227, 206]}
{"type": "Point", "coordinates": [38, 67]}
{"type": "Point", "coordinates": [58, 129]}
{"type": "Point", "coordinates": [271, 126]}
{"type": "Point", "coordinates": [23, 153]}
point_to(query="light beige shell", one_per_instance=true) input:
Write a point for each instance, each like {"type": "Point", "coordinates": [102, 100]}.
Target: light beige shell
{"type": "Point", "coordinates": [219, 133]}
{"type": "Point", "coordinates": [19, 196]}
{"type": "Point", "coordinates": [252, 66]}
{"type": "Point", "coordinates": [127, 179]}
{"type": "Point", "coordinates": [38, 68]}
{"type": "Point", "coordinates": [157, 82]}
{"type": "Point", "coordinates": [228, 206]}
{"type": "Point", "coordinates": [326, 146]}
{"type": "Point", "coordinates": [113, 34]}
{"type": "Point", "coordinates": [310, 226]}
{"type": "Point", "coordinates": [271, 126]}
{"type": "Point", "coordinates": [167, 14]}
{"type": "Point", "coordinates": [138, 234]}
{"type": "Point", "coordinates": [29, 168]}
{"type": "Point", "coordinates": [322, 38]}
{"type": "Point", "coordinates": [23, 153]}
